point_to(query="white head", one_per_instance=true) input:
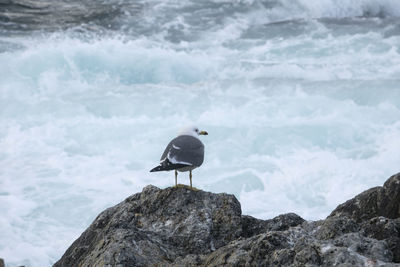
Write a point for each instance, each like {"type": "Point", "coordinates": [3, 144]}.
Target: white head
{"type": "Point", "coordinates": [192, 130]}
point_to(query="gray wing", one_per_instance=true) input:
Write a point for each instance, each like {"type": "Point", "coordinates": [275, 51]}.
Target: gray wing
{"type": "Point", "coordinates": [184, 149]}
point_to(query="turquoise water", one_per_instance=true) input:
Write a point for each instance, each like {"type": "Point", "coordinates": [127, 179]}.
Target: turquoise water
{"type": "Point", "coordinates": [301, 101]}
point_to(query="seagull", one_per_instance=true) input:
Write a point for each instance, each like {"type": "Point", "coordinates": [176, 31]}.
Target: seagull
{"type": "Point", "coordinates": [184, 153]}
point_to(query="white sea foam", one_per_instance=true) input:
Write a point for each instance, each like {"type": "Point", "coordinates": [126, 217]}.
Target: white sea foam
{"type": "Point", "coordinates": [299, 119]}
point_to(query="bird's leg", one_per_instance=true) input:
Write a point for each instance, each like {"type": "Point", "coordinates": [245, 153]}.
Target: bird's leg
{"type": "Point", "coordinates": [176, 178]}
{"type": "Point", "coordinates": [190, 177]}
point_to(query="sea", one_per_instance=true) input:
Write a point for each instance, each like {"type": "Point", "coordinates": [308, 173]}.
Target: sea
{"type": "Point", "coordinates": [301, 100]}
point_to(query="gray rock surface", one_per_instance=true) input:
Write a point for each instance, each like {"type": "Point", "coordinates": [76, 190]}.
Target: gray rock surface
{"type": "Point", "coordinates": [182, 227]}
{"type": "Point", "coordinates": [157, 226]}
{"type": "Point", "coordinates": [378, 201]}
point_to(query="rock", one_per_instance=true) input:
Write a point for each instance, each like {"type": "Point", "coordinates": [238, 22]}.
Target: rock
{"type": "Point", "coordinates": [307, 256]}
{"type": "Point", "coordinates": [382, 228]}
{"type": "Point", "coordinates": [157, 226]}
{"type": "Point", "coordinates": [252, 226]}
{"type": "Point", "coordinates": [260, 250]}
{"type": "Point", "coordinates": [182, 227]}
{"type": "Point", "coordinates": [341, 256]}
{"type": "Point", "coordinates": [299, 247]}
{"type": "Point", "coordinates": [336, 226]}
{"type": "Point", "coordinates": [2, 264]}
{"type": "Point", "coordinates": [367, 247]}
{"type": "Point", "coordinates": [378, 201]}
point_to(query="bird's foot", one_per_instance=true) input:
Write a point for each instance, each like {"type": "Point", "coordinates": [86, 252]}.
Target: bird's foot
{"type": "Point", "coordinates": [186, 186]}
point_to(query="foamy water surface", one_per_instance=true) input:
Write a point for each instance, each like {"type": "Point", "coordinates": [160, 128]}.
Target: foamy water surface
{"type": "Point", "coordinates": [301, 101]}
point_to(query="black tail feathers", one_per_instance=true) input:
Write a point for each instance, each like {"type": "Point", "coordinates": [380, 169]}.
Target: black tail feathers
{"type": "Point", "coordinates": [157, 169]}
{"type": "Point", "coordinates": [166, 165]}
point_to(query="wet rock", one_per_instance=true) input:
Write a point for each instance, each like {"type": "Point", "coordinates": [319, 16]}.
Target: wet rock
{"type": "Point", "coordinates": [182, 227]}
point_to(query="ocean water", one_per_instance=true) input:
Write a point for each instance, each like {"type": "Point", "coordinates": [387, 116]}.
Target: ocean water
{"type": "Point", "coordinates": [301, 100]}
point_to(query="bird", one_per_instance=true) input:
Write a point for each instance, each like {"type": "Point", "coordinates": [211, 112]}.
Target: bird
{"type": "Point", "coordinates": [184, 153]}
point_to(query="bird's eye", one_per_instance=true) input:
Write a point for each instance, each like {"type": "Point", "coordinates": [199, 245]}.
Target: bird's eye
{"type": "Point", "coordinates": [197, 130]}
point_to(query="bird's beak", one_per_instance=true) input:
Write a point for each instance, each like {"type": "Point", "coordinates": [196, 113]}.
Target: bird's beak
{"type": "Point", "coordinates": [203, 133]}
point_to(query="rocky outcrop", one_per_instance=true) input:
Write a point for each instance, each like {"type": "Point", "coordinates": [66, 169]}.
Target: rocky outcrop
{"type": "Point", "coordinates": [378, 201]}
{"type": "Point", "coordinates": [377, 212]}
{"type": "Point", "coordinates": [156, 227]}
{"type": "Point", "coordinates": [182, 227]}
